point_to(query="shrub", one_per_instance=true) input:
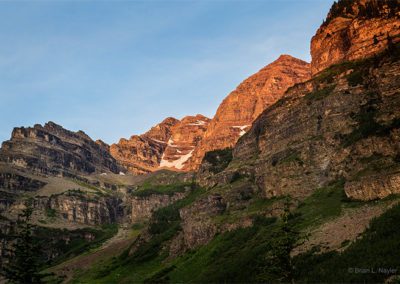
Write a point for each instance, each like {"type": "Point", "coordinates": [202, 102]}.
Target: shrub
{"type": "Point", "coordinates": [219, 159]}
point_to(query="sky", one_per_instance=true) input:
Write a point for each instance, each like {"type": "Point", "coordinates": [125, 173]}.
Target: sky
{"type": "Point", "coordinates": [115, 68]}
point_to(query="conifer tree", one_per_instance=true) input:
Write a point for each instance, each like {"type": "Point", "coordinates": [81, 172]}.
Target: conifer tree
{"type": "Point", "coordinates": [279, 263]}
{"type": "Point", "coordinates": [23, 264]}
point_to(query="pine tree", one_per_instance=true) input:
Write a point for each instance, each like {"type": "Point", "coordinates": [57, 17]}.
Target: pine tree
{"type": "Point", "coordinates": [23, 263]}
{"type": "Point", "coordinates": [279, 263]}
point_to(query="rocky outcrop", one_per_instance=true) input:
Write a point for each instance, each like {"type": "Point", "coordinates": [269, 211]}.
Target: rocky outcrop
{"type": "Point", "coordinates": [83, 209]}
{"type": "Point", "coordinates": [373, 187]}
{"type": "Point", "coordinates": [53, 150]}
{"type": "Point", "coordinates": [142, 154]}
{"type": "Point", "coordinates": [143, 206]}
{"type": "Point", "coordinates": [183, 142]}
{"type": "Point", "coordinates": [354, 30]}
{"type": "Point", "coordinates": [170, 144]}
{"type": "Point", "coordinates": [238, 110]}
{"type": "Point", "coordinates": [198, 228]}
{"type": "Point", "coordinates": [13, 181]}
{"type": "Point", "coordinates": [74, 206]}
{"type": "Point", "coordinates": [341, 125]}
{"type": "Point", "coordinates": [181, 145]}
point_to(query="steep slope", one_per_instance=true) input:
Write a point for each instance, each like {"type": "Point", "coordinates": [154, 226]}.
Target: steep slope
{"type": "Point", "coordinates": [53, 150]}
{"type": "Point", "coordinates": [238, 110]}
{"type": "Point", "coordinates": [355, 29]}
{"type": "Point", "coordinates": [182, 144]}
{"type": "Point", "coordinates": [184, 140]}
{"type": "Point", "coordinates": [167, 145]}
{"type": "Point", "coordinates": [142, 154]}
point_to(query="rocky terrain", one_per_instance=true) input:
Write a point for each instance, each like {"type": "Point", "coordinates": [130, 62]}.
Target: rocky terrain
{"type": "Point", "coordinates": [53, 150]}
{"type": "Point", "coordinates": [355, 29]}
{"type": "Point", "coordinates": [181, 145]}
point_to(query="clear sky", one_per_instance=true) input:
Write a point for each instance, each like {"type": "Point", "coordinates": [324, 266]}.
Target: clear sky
{"type": "Point", "coordinates": [117, 68]}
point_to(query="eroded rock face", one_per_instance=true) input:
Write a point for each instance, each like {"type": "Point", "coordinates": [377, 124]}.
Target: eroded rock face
{"type": "Point", "coordinates": [168, 145]}
{"type": "Point", "coordinates": [77, 207]}
{"type": "Point", "coordinates": [181, 145]}
{"type": "Point", "coordinates": [238, 110]}
{"type": "Point", "coordinates": [198, 228]}
{"type": "Point", "coordinates": [51, 149]}
{"type": "Point", "coordinates": [353, 30]}
{"type": "Point", "coordinates": [183, 142]}
{"type": "Point", "coordinates": [13, 181]}
{"type": "Point", "coordinates": [374, 187]}
{"type": "Point", "coordinates": [142, 154]}
{"type": "Point", "coordinates": [327, 130]}
{"type": "Point", "coordinates": [142, 207]}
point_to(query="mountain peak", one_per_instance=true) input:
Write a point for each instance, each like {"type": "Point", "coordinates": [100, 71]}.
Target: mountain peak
{"type": "Point", "coordinates": [355, 30]}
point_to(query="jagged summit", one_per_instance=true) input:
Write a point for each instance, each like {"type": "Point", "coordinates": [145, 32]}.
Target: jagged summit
{"type": "Point", "coordinates": [354, 30]}
{"type": "Point", "coordinates": [181, 145]}
{"type": "Point", "coordinates": [51, 149]}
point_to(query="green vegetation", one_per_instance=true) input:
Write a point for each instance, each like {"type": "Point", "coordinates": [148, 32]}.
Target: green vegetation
{"type": "Point", "coordinates": [281, 102]}
{"type": "Point", "coordinates": [148, 256]}
{"type": "Point", "coordinates": [375, 164]}
{"type": "Point", "coordinates": [355, 78]}
{"type": "Point", "coordinates": [24, 262]}
{"type": "Point", "coordinates": [168, 189]}
{"type": "Point", "coordinates": [84, 184]}
{"type": "Point", "coordinates": [319, 94]}
{"type": "Point", "coordinates": [293, 157]}
{"type": "Point", "coordinates": [51, 213]}
{"type": "Point", "coordinates": [368, 126]}
{"type": "Point", "coordinates": [67, 244]}
{"type": "Point", "coordinates": [373, 251]}
{"type": "Point", "coordinates": [235, 177]}
{"type": "Point", "coordinates": [219, 159]}
{"type": "Point", "coordinates": [322, 205]}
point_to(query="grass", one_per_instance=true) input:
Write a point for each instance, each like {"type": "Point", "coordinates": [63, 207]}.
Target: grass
{"type": "Point", "coordinates": [322, 205]}
{"type": "Point", "coordinates": [373, 250]}
{"type": "Point", "coordinates": [168, 189]}
{"type": "Point", "coordinates": [70, 243]}
{"type": "Point", "coordinates": [367, 124]}
{"type": "Point", "coordinates": [319, 94]}
{"type": "Point", "coordinates": [50, 213]}
{"type": "Point", "coordinates": [294, 157]}
{"type": "Point", "coordinates": [149, 255]}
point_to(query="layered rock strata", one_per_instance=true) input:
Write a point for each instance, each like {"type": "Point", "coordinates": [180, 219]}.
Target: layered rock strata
{"type": "Point", "coordinates": [354, 30]}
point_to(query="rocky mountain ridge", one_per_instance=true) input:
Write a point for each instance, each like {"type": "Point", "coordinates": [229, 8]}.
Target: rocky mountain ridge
{"type": "Point", "coordinates": [183, 143]}
{"type": "Point", "coordinates": [355, 30]}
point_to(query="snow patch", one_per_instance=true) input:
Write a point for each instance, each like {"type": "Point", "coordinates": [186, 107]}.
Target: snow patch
{"type": "Point", "coordinates": [178, 164]}
{"type": "Point", "coordinates": [198, 122]}
{"type": "Point", "coordinates": [121, 174]}
{"type": "Point", "coordinates": [159, 141]}
{"type": "Point", "coordinates": [170, 141]}
{"type": "Point", "coordinates": [103, 174]}
{"type": "Point", "coordinates": [242, 131]}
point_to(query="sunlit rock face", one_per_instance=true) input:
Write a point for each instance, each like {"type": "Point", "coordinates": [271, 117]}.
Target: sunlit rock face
{"type": "Point", "coordinates": [353, 30]}
{"type": "Point", "coordinates": [181, 145]}
{"type": "Point", "coordinates": [167, 145]}
{"type": "Point", "coordinates": [241, 107]}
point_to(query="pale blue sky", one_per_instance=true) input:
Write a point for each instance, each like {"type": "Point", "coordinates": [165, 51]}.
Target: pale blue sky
{"type": "Point", "coordinates": [117, 68]}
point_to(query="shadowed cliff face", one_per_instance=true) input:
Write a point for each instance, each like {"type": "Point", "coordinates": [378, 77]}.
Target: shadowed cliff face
{"type": "Point", "coordinates": [53, 150]}
{"type": "Point", "coordinates": [353, 30]}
